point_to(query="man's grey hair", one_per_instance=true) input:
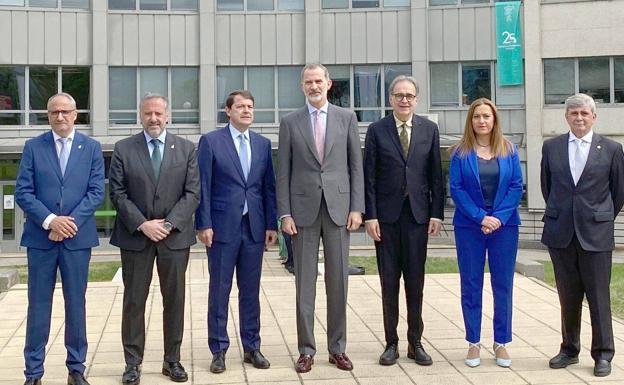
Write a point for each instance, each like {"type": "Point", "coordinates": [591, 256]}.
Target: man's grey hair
{"type": "Point", "coordinates": [403, 78]}
{"type": "Point", "coordinates": [313, 66]}
{"type": "Point", "coordinates": [580, 101]}
{"type": "Point", "coordinates": [64, 94]}
{"type": "Point", "coordinates": [152, 95]}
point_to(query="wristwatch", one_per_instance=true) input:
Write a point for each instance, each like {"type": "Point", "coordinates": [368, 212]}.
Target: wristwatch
{"type": "Point", "coordinates": [168, 226]}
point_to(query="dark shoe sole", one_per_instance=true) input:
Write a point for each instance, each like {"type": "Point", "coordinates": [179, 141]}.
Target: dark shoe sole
{"type": "Point", "coordinates": [137, 382]}
{"type": "Point", "coordinates": [248, 361]}
{"type": "Point", "coordinates": [602, 374]}
{"type": "Point", "coordinates": [217, 370]}
{"type": "Point", "coordinates": [419, 362]}
{"type": "Point", "coordinates": [388, 362]}
{"type": "Point", "coordinates": [174, 379]}
{"type": "Point", "coordinates": [560, 365]}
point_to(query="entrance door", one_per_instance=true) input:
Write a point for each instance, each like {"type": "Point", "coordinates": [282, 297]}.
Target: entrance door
{"type": "Point", "coordinates": [12, 223]}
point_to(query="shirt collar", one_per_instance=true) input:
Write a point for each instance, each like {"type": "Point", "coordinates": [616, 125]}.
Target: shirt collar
{"type": "Point", "coordinates": [161, 137]}
{"type": "Point", "coordinates": [235, 133]}
{"type": "Point", "coordinates": [70, 136]}
{"type": "Point", "coordinates": [312, 109]}
{"type": "Point", "coordinates": [399, 122]}
{"type": "Point", "coordinates": [587, 138]}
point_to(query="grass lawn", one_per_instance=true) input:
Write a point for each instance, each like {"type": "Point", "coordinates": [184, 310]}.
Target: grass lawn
{"type": "Point", "coordinates": [433, 265]}
{"type": "Point", "coordinates": [98, 271]}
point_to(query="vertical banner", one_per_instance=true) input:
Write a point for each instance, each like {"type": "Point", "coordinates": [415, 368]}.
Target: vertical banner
{"type": "Point", "coordinates": [509, 44]}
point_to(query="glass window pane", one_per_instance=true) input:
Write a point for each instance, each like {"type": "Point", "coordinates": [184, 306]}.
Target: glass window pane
{"type": "Point", "coordinates": [122, 118]}
{"type": "Point", "coordinates": [122, 89]}
{"type": "Point", "coordinates": [558, 80]}
{"type": "Point", "coordinates": [122, 4]}
{"type": "Point", "coordinates": [594, 78]}
{"type": "Point", "coordinates": [475, 1]}
{"type": "Point", "coordinates": [82, 118]}
{"type": "Point", "coordinates": [12, 83]}
{"type": "Point", "coordinates": [261, 83]}
{"type": "Point", "coordinates": [153, 81]}
{"type": "Point", "coordinates": [229, 5]}
{"type": "Point", "coordinates": [368, 116]}
{"type": "Point", "coordinates": [185, 88]}
{"type": "Point", "coordinates": [184, 117]}
{"type": "Point", "coordinates": [289, 87]}
{"type": "Point", "coordinates": [43, 84]}
{"type": "Point", "coordinates": [75, 4]}
{"type": "Point", "coordinates": [340, 91]}
{"type": "Point", "coordinates": [43, 3]}
{"type": "Point", "coordinates": [19, 3]}
{"type": "Point", "coordinates": [11, 119]}
{"type": "Point", "coordinates": [444, 84]}
{"type": "Point", "coordinates": [396, 3]}
{"type": "Point", "coordinates": [259, 5]}
{"type": "Point", "coordinates": [476, 82]}
{"type": "Point", "coordinates": [38, 119]}
{"type": "Point", "coordinates": [365, 3]}
{"type": "Point", "coordinates": [442, 2]}
{"type": "Point", "coordinates": [618, 64]}
{"type": "Point", "coordinates": [290, 5]}
{"type": "Point", "coordinates": [367, 86]}
{"type": "Point", "coordinates": [228, 80]}
{"type": "Point", "coordinates": [153, 5]}
{"type": "Point", "coordinates": [391, 71]}
{"type": "Point", "coordinates": [264, 116]}
{"type": "Point", "coordinates": [184, 5]}
{"type": "Point", "coordinates": [76, 82]}
{"type": "Point", "coordinates": [510, 95]}
{"type": "Point", "coordinates": [335, 4]}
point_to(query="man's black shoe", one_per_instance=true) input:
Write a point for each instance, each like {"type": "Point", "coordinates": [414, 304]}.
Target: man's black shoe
{"type": "Point", "coordinates": [389, 356]}
{"type": "Point", "coordinates": [290, 268]}
{"type": "Point", "coordinates": [257, 359]}
{"type": "Point", "coordinates": [131, 375]}
{"type": "Point", "coordinates": [418, 354]}
{"type": "Point", "coordinates": [75, 378]}
{"type": "Point", "coordinates": [602, 368]}
{"type": "Point", "coordinates": [561, 361]}
{"type": "Point", "coordinates": [33, 381]}
{"type": "Point", "coordinates": [218, 363]}
{"type": "Point", "coordinates": [175, 371]}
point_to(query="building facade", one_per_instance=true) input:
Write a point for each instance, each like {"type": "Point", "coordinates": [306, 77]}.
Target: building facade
{"type": "Point", "coordinates": [107, 53]}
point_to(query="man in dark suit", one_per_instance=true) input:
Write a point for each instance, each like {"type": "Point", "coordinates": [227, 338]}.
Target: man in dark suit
{"type": "Point", "coordinates": [154, 185]}
{"type": "Point", "coordinates": [582, 177]}
{"type": "Point", "coordinates": [236, 219]}
{"type": "Point", "coordinates": [320, 193]}
{"type": "Point", "coordinates": [404, 206]}
{"type": "Point", "coordinates": [60, 184]}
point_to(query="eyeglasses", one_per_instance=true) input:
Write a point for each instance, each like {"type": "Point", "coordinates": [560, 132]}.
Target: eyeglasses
{"type": "Point", "coordinates": [408, 97]}
{"type": "Point", "coordinates": [60, 112]}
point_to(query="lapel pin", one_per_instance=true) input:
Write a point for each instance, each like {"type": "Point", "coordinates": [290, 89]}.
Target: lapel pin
{"type": "Point", "coordinates": [598, 147]}
{"type": "Point", "coordinates": [173, 146]}
{"type": "Point", "coordinates": [79, 146]}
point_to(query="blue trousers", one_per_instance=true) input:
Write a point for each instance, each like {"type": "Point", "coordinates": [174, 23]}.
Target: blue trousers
{"type": "Point", "coordinates": [244, 255]}
{"type": "Point", "coordinates": [501, 248]}
{"type": "Point", "coordinates": [42, 267]}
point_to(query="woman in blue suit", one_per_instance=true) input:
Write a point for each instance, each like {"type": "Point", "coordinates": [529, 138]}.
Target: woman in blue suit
{"type": "Point", "coordinates": [486, 185]}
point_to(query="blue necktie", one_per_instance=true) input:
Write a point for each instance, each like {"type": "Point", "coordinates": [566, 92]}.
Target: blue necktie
{"type": "Point", "coordinates": [156, 157]}
{"type": "Point", "coordinates": [63, 155]}
{"type": "Point", "coordinates": [244, 159]}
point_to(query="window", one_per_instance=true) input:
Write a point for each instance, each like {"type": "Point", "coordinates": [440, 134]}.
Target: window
{"type": "Point", "coordinates": [475, 79]}
{"type": "Point", "coordinates": [55, 4]}
{"type": "Point", "coordinates": [153, 5]}
{"type": "Point", "coordinates": [260, 5]}
{"type": "Point", "coordinates": [599, 77]}
{"type": "Point", "coordinates": [24, 92]}
{"type": "Point", "coordinates": [456, 2]}
{"type": "Point", "coordinates": [127, 85]}
{"type": "Point", "coordinates": [346, 4]}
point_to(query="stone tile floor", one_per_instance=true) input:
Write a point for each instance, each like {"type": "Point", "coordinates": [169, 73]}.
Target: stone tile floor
{"type": "Point", "coordinates": [536, 337]}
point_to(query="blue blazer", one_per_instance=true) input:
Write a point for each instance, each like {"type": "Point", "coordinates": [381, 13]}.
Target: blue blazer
{"type": "Point", "coordinates": [41, 189]}
{"type": "Point", "coordinates": [466, 190]}
{"type": "Point", "coordinates": [224, 189]}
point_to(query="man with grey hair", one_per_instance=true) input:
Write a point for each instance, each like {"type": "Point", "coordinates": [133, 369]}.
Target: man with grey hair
{"type": "Point", "coordinates": [404, 206]}
{"type": "Point", "coordinates": [582, 178]}
{"type": "Point", "coordinates": [154, 185]}
{"type": "Point", "coordinates": [60, 184]}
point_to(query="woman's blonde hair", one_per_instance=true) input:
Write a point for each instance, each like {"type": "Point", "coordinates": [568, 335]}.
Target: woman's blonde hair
{"type": "Point", "coordinates": [501, 146]}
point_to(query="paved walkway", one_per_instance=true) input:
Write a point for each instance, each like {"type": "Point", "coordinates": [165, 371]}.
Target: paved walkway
{"type": "Point", "coordinates": [536, 337]}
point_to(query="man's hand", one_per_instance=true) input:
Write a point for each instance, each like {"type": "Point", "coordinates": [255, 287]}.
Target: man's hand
{"type": "Point", "coordinates": [154, 230]}
{"type": "Point", "coordinates": [354, 220]}
{"type": "Point", "coordinates": [490, 224]}
{"type": "Point", "coordinates": [434, 228]}
{"type": "Point", "coordinates": [372, 229]}
{"type": "Point", "coordinates": [205, 236]}
{"type": "Point", "coordinates": [288, 226]}
{"type": "Point", "coordinates": [270, 237]}
{"type": "Point", "coordinates": [55, 237]}
{"type": "Point", "coordinates": [64, 225]}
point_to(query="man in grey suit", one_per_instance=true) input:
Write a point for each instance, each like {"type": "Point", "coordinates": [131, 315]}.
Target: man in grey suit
{"type": "Point", "coordinates": [320, 193]}
{"type": "Point", "coordinates": [154, 185]}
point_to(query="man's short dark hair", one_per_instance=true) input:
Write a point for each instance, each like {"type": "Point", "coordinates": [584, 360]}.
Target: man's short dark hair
{"type": "Point", "coordinates": [245, 94]}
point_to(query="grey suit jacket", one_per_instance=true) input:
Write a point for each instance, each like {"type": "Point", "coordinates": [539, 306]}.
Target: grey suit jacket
{"type": "Point", "coordinates": [301, 178]}
{"type": "Point", "coordinates": [138, 197]}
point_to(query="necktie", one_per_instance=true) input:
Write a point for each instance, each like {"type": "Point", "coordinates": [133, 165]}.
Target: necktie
{"type": "Point", "coordinates": [156, 157]}
{"type": "Point", "coordinates": [319, 135]}
{"type": "Point", "coordinates": [63, 154]}
{"type": "Point", "coordinates": [404, 139]}
{"type": "Point", "coordinates": [244, 160]}
{"type": "Point", "coordinates": [579, 161]}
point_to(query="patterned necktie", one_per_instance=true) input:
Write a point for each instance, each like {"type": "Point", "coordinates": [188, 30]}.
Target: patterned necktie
{"type": "Point", "coordinates": [319, 135]}
{"type": "Point", "coordinates": [404, 139]}
{"type": "Point", "coordinates": [244, 160]}
{"type": "Point", "coordinates": [63, 155]}
{"type": "Point", "coordinates": [156, 157]}
{"type": "Point", "coordinates": [579, 161]}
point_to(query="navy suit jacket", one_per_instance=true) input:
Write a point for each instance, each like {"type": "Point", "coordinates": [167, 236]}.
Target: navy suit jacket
{"type": "Point", "coordinates": [466, 190]}
{"type": "Point", "coordinates": [224, 189]}
{"type": "Point", "coordinates": [41, 189]}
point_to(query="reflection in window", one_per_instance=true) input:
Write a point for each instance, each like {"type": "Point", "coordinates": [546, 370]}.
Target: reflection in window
{"type": "Point", "coordinates": [367, 92]}
{"type": "Point", "coordinates": [444, 84]}
{"type": "Point", "coordinates": [261, 83]}
{"type": "Point", "coordinates": [12, 86]}
{"type": "Point", "coordinates": [76, 82]}
{"type": "Point", "coordinates": [476, 82]}
{"type": "Point", "coordinates": [594, 78]}
{"type": "Point", "coordinates": [151, 5]}
{"type": "Point", "coordinates": [618, 70]}
{"type": "Point", "coordinates": [558, 80]}
{"type": "Point", "coordinates": [260, 5]}
{"type": "Point", "coordinates": [184, 95]}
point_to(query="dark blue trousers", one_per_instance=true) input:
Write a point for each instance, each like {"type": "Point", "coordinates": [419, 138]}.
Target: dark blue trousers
{"type": "Point", "coordinates": [42, 267]}
{"type": "Point", "coordinates": [501, 247]}
{"type": "Point", "coordinates": [245, 256]}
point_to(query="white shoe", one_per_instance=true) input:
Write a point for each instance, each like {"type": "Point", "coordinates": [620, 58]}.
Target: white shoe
{"type": "Point", "coordinates": [501, 361]}
{"type": "Point", "coordinates": [471, 360]}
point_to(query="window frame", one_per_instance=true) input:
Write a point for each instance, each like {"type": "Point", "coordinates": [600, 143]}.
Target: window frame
{"type": "Point", "coordinates": [137, 8]}
{"type": "Point", "coordinates": [460, 87]}
{"type": "Point", "coordinates": [254, 11]}
{"type": "Point", "coordinates": [350, 7]}
{"type": "Point", "coordinates": [59, 7]}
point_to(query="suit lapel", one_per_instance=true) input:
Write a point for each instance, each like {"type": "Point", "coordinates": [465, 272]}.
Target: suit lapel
{"type": "Point", "coordinates": [392, 133]}
{"type": "Point", "coordinates": [231, 150]}
{"type": "Point", "coordinates": [594, 153]}
{"type": "Point", "coordinates": [50, 152]}
{"type": "Point", "coordinates": [564, 157]}
{"type": "Point", "coordinates": [332, 129]}
{"type": "Point", "coordinates": [140, 147]}
{"type": "Point", "coordinates": [416, 127]}
{"type": "Point", "coordinates": [504, 168]}
{"type": "Point", "coordinates": [474, 166]}
{"type": "Point", "coordinates": [168, 152]}
{"type": "Point", "coordinates": [254, 142]}
{"type": "Point", "coordinates": [306, 131]}
{"type": "Point", "coordinates": [75, 153]}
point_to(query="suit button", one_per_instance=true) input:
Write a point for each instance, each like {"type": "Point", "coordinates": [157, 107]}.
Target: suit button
{"type": "Point", "coordinates": [156, 197]}
{"type": "Point", "coordinates": [319, 187]}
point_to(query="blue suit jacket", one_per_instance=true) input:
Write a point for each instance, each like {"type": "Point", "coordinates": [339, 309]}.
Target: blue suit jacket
{"type": "Point", "coordinates": [466, 190]}
{"type": "Point", "coordinates": [41, 189]}
{"type": "Point", "coordinates": [224, 189]}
